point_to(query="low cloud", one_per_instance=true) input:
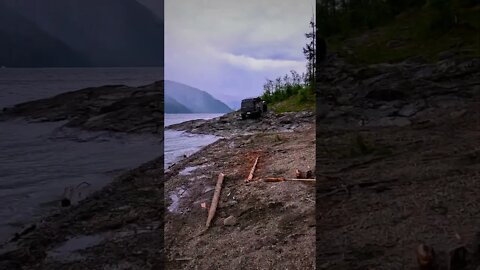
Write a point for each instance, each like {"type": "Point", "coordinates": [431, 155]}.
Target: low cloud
{"type": "Point", "coordinates": [232, 47]}
{"type": "Point", "coordinates": [255, 64]}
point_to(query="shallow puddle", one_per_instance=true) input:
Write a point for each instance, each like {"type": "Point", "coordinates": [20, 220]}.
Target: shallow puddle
{"type": "Point", "coordinates": [188, 170]}
{"type": "Point", "coordinates": [175, 197]}
{"type": "Point", "coordinates": [179, 144]}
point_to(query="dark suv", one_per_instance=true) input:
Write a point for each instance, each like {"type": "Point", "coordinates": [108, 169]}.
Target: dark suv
{"type": "Point", "coordinates": [253, 107]}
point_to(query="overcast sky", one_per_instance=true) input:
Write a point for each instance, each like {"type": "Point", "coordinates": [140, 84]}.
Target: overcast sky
{"type": "Point", "coordinates": [229, 48]}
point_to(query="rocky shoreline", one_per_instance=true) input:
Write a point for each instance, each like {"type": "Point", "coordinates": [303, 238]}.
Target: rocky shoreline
{"type": "Point", "coordinates": [231, 124]}
{"type": "Point", "coordinates": [110, 227]}
{"type": "Point", "coordinates": [394, 94]}
{"type": "Point", "coordinates": [261, 212]}
{"type": "Point", "coordinates": [258, 225]}
{"type": "Point", "coordinates": [398, 148]}
{"type": "Point", "coordinates": [119, 227]}
{"type": "Point", "coordinates": [115, 108]}
{"type": "Point", "coordinates": [126, 211]}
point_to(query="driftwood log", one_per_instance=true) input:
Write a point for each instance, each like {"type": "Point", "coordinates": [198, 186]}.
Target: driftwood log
{"type": "Point", "coordinates": [252, 171]}
{"type": "Point", "coordinates": [281, 179]}
{"type": "Point", "coordinates": [216, 196]}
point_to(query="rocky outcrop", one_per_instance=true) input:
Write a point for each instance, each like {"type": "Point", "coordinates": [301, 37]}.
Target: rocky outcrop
{"type": "Point", "coordinates": [231, 124]}
{"type": "Point", "coordinates": [115, 108]}
{"type": "Point", "coordinates": [397, 94]}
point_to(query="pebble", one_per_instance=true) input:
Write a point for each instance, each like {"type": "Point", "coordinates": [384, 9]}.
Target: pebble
{"type": "Point", "coordinates": [232, 202]}
{"type": "Point", "coordinates": [230, 221]}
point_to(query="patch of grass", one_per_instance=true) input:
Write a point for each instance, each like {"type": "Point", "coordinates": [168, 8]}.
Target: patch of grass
{"type": "Point", "coordinates": [416, 32]}
{"type": "Point", "coordinates": [292, 105]}
{"type": "Point", "coordinates": [303, 101]}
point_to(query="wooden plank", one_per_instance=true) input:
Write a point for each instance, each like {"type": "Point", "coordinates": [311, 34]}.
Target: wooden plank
{"type": "Point", "coordinates": [281, 179]}
{"type": "Point", "coordinates": [252, 171]}
{"type": "Point", "coordinates": [216, 196]}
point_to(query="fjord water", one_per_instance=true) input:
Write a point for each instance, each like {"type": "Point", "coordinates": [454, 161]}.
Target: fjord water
{"type": "Point", "coordinates": [25, 84]}
{"type": "Point", "coordinates": [39, 161]}
{"type": "Point", "coordinates": [179, 143]}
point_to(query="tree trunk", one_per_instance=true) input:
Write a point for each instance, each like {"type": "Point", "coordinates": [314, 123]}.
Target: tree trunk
{"type": "Point", "coordinates": [216, 196]}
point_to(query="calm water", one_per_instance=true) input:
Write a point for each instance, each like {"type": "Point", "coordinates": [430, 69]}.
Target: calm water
{"type": "Point", "coordinates": [179, 143]}
{"type": "Point", "coordinates": [24, 84]}
{"type": "Point", "coordinates": [41, 162]}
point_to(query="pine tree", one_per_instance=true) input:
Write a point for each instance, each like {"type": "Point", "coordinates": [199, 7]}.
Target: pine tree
{"type": "Point", "coordinates": [309, 52]}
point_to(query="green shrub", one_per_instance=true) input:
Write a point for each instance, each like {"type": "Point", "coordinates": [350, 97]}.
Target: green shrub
{"type": "Point", "coordinates": [441, 16]}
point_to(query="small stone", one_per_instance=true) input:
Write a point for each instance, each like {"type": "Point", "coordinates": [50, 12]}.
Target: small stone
{"type": "Point", "coordinates": [230, 221]}
{"type": "Point", "coordinates": [408, 110]}
{"type": "Point", "coordinates": [232, 202]}
{"type": "Point", "coordinates": [218, 221]}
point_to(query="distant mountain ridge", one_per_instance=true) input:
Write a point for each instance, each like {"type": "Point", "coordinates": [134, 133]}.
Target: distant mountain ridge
{"type": "Point", "coordinates": [23, 43]}
{"type": "Point", "coordinates": [106, 33]}
{"type": "Point", "coordinates": [156, 6]}
{"type": "Point", "coordinates": [173, 106]}
{"type": "Point", "coordinates": [193, 99]}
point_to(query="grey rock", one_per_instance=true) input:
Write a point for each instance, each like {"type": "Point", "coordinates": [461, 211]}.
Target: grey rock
{"type": "Point", "coordinates": [367, 72]}
{"type": "Point", "coordinates": [107, 108]}
{"type": "Point", "coordinates": [425, 72]}
{"type": "Point", "coordinates": [232, 203]}
{"type": "Point", "coordinates": [396, 93]}
{"type": "Point", "coordinates": [375, 79]}
{"type": "Point", "coordinates": [230, 221]}
{"type": "Point", "coordinates": [231, 124]}
{"type": "Point", "coordinates": [385, 107]}
{"type": "Point", "coordinates": [411, 109]}
{"type": "Point", "coordinates": [446, 66]}
{"type": "Point", "coordinates": [391, 121]}
{"type": "Point", "coordinates": [446, 55]}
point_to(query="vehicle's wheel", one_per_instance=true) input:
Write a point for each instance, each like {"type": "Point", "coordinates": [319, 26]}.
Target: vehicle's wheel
{"type": "Point", "coordinates": [244, 116]}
